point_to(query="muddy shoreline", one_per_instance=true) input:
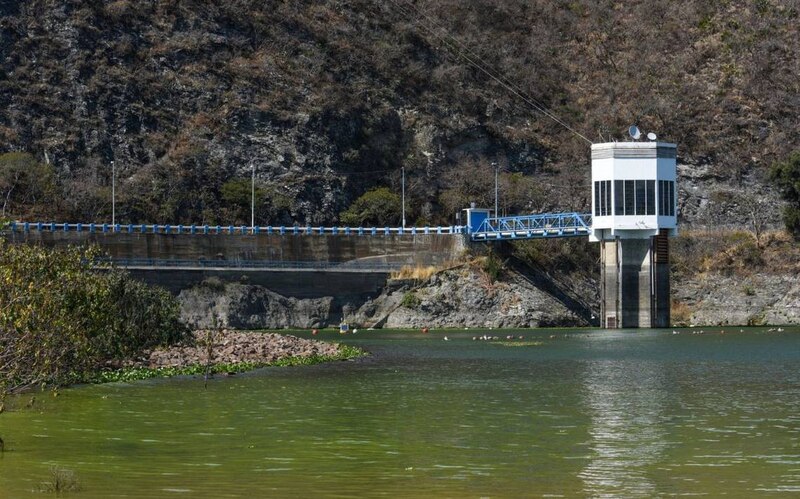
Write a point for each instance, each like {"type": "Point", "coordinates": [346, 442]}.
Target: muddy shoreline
{"type": "Point", "coordinates": [233, 347]}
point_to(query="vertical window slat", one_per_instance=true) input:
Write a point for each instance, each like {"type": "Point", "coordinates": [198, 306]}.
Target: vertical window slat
{"type": "Point", "coordinates": [597, 199]}
{"type": "Point", "coordinates": [619, 198]}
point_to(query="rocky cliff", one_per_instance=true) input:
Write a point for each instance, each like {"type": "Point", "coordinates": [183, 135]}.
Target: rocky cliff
{"type": "Point", "coordinates": [327, 99]}
{"type": "Point", "coordinates": [464, 296]}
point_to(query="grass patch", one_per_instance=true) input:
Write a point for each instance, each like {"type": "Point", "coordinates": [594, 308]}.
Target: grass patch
{"type": "Point", "coordinates": [418, 273]}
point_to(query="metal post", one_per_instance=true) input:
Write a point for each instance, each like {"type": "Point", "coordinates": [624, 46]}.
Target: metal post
{"type": "Point", "coordinates": [253, 199]}
{"type": "Point", "coordinates": [403, 169]}
{"type": "Point", "coordinates": [496, 172]}
{"type": "Point", "coordinates": [113, 195]}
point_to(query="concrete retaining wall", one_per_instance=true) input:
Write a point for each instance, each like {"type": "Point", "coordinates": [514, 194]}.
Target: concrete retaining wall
{"type": "Point", "coordinates": [420, 249]}
{"type": "Point", "coordinates": [411, 250]}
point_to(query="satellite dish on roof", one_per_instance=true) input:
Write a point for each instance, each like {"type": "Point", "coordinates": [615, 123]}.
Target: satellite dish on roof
{"type": "Point", "coordinates": [651, 136]}
{"type": "Point", "coordinates": [634, 132]}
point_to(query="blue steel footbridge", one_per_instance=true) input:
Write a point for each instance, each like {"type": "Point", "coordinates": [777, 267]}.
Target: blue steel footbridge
{"type": "Point", "coordinates": [479, 228]}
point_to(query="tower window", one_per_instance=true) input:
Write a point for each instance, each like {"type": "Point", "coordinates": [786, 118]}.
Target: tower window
{"type": "Point", "coordinates": [602, 198]}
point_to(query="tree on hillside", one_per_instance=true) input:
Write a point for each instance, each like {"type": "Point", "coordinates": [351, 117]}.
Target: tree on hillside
{"type": "Point", "coordinates": [378, 207]}
{"type": "Point", "coordinates": [786, 175]}
{"type": "Point", "coordinates": [24, 183]}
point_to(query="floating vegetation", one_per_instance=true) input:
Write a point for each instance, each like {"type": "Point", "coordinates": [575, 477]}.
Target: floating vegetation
{"type": "Point", "coordinates": [519, 343]}
{"type": "Point", "coordinates": [61, 480]}
{"type": "Point", "coordinates": [346, 352]}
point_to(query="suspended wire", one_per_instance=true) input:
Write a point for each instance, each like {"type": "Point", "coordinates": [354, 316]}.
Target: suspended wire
{"type": "Point", "coordinates": [365, 172]}
{"type": "Point", "coordinates": [480, 64]}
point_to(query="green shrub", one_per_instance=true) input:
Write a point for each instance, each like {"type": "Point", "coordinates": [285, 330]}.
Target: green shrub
{"type": "Point", "coordinates": [786, 174]}
{"type": "Point", "coordinates": [378, 207]}
{"type": "Point", "coordinates": [410, 300]}
{"type": "Point", "coordinates": [492, 266]}
{"type": "Point", "coordinates": [62, 317]}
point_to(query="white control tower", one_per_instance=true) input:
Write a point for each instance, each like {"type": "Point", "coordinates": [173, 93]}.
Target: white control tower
{"type": "Point", "coordinates": [633, 214]}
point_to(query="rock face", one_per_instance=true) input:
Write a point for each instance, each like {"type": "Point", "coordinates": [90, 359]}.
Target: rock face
{"type": "Point", "coordinates": [755, 300]}
{"type": "Point", "coordinates": [244, 306]}
{"type": "Point", "coordinates": [466, 298]}
{"type": "Point", "coordinates": [461, 297]}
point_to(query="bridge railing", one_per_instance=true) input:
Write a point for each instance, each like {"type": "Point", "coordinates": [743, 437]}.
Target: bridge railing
{"type": "Point", "coordinates": [544, 225]}
{"type": "Point", "coordinates": [348, 266]}
{"type": "Point", "coordinates": [229, 229]}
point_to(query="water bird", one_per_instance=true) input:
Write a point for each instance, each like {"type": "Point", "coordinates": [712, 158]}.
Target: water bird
{"type": "Point", "coordinates": [780, 329]}
{"type": "Point", "coordinates": [446, 338]}
{"type": "Point", "coordinates": [675, 332]}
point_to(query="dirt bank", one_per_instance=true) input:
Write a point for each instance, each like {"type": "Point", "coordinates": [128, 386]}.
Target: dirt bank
{"type": "Point", "coordinates": [233, 347]}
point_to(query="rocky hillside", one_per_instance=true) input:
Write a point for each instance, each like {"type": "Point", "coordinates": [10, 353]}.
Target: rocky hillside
{"type": "Point", "coordinates": [735, 279]}
{"type": "Point", "coordinates": [464, 296]}
{"type": "Point", "coordinates": [330, 98]}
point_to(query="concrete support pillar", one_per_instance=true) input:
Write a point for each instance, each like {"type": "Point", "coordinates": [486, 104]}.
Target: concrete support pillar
{"type": "Point", "coordinates": [635, 282]}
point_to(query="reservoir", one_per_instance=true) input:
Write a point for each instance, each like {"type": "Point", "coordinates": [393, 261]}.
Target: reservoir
{"type": "Point", "coordinates": [559, 413]}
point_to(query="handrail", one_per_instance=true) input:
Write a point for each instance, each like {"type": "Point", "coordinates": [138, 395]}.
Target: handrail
{"type": "Point", "coordinates": [346, 266]}
{"type": "Point", "coordinates": [229, 229]}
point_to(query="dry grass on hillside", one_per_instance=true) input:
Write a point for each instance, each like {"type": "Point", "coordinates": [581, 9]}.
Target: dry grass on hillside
{"type": "Point", "coordinates": [418, 273]}
{"type": "Point", "coordinates": [734, 253]}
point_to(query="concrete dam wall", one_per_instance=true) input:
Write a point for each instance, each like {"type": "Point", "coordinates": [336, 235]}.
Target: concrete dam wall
{"type": "Point", "coordinates": [308, 266]}
{"type": "Point", "coordinates": [406, 249]}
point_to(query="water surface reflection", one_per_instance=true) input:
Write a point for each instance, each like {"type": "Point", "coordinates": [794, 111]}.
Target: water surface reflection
{"type": "Point", "coordinates": [625, 401]}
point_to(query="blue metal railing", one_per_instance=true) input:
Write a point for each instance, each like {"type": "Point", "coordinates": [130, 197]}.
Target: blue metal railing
{"type": "Point", "coordinates": [546, 225]}
{"type": "Point", "coordinates": [228, 229]}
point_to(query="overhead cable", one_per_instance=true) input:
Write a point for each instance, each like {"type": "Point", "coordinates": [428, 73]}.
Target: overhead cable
{"type": "Point", "coordinates": [461, 50]}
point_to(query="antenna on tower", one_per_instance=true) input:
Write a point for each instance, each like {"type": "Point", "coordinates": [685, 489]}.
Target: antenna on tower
{"type": "Point", "coordinates": [634, 132]}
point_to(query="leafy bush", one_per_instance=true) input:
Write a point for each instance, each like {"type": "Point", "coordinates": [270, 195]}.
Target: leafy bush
{"type": "Point", "coordinates": [61, 317]}
{"type": "Point", "coordinates": [378, 207]}
{"type": "Point", "coordinates": [410, 300]}
{"type": "Point", "coordinates": [492, 266]}
{"type": "Point", "coordinates": [25, 185]}
{"type": "Point", "coordinates": [787, 175]}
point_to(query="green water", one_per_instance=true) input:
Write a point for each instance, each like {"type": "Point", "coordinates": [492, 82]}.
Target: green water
{"type": "Point", "coordinates": [587, 413]}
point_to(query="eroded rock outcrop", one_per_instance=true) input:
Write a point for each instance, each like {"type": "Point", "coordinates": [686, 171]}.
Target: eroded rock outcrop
{"type": "Point", "coordinates": [459, 297]}
{"type": "Point", "coordinates": [244, 306]}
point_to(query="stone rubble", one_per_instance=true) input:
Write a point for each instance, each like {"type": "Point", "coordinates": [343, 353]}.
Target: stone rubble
{"type": "Point", "coordinates": [234, 347]}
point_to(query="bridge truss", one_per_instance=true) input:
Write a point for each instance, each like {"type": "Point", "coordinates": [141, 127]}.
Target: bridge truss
{"type": "Point", "coordinates": [545, 225]}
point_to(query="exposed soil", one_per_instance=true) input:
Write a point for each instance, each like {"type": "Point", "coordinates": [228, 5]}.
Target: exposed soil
{"type": "Point", "coordinates": [234, 347]}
